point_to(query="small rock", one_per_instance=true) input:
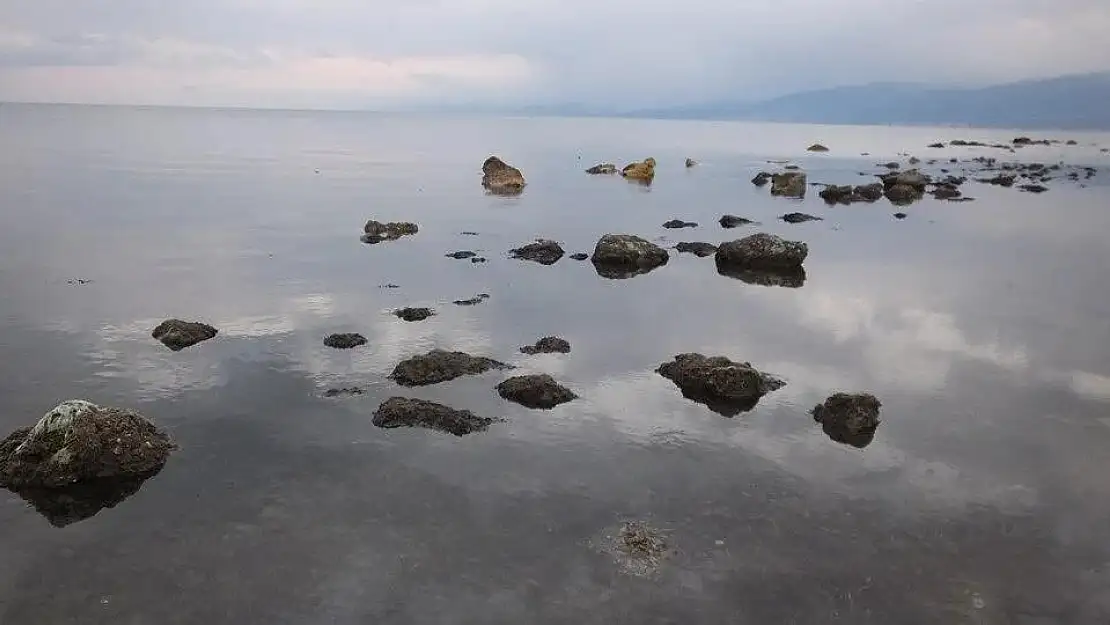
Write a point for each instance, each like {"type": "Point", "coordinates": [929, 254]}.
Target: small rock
{"type": "Point", "coordinates": [535, 391]}
{"type": "Point", "coordinates": [732, 221]}
{"type": "Point", "coordinates": [1033, 188]}
{"type": "Point", "coordinates": [461, 255]}
{"type": "Point", "coordinates": [690, 162]}
{"type": "Point", "coordinates": [468, 233]}
{"type": "Point", "coordinates": [376, 231]}
{"type": "Point", "coordinates": [699, 249]}
{"type": "Point", "coordinates": [398, 412]}
{"type": "Point", "coordinates": [177, 334]}
{"type": "Point", "coordinates": [624, 256]}
{"type": "Point", "coordinates": [762, 251]}
{"type": "Point", "coordinates": [724, 386]}
{"type": "Point", "coordinates": [1071, 142]}
{"type": "Point", "coordinates": [579, 256]}
{"type": "Point", "coordinates": [678, 223]}
{"type": "Point", "coordinates": [345, 341]}
{"type": "Point", "coordinates": [914, 160]}
{"type": "Point", "coordinates": [849, 418]}
{"type": "Point", "coordinates": [761, 179]}
{"type": "Point", "coordinates": [441, 366]}
{"type": "Point", "coordinates": [547, 345]}
{"type": "Point", "coordinates": [1001, 180]}
{"type": "Point", "coordinates": [817, 147]}
{"type": "Point", "coordinates": [474, 301]}
{"type": "Point", "coordinates": [797, 218]}
{"type": "Point", "coordinates": [643, 171]}
{"type": "Point", "coordinates": [603, 168]}
{"type": "Point", "coordinates": [390, 286]}
{"type": "Point", "coordinates": [892, 165]}
{"type": "Point", "coordinates": [900, 215]}
{"type": "Point", "coordinates": [543, 251]}
{"type": "Point", "coordinates": [946, 192]}
{"type": "Point", "coordinates": [789, 184]}
{"type": "Point", "coordinates": [414, 314]}
{"type": "Point", "coordinates": [500, 178]}
{"type": "Point", "coordinates": [936, 145]}
{"type": "Point", "coordinates": [343, 392]}
{"type": "Point", "coordinates": [790, 168]}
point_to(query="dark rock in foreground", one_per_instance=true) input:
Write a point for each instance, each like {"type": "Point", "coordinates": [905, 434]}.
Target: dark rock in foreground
{"type": "Point", "coordinates": [535, 391]}
{"type": "Point", "coordinates": [414, 314]}
{"type": "Point", "coordinates": [79, 441]}
{"type": "Point", "coordinates": [348, 340]}
{"type": "Point", "coordinates": [797, 218]}
{"type": "Point", "coordinates": [441, 366]}
{"type": "Point", "coordinates": [732, 221]}
{"type": "Point", "coordinates": [699, 249]}
{"type": "Point", "coordinates": [177, 334]}
{"type": "Point", "coordinates": [817, 147]}
{"type": "Point", "coordinates": [474, 301]}
{"type": "Point", "coordinates": [625, 255]}
{"type": "Point", "coordinates": [849, 418]}
{"type": "Point", "coordinates": [376, 231]}
{"type": "Point", "coordinates": [789, 184]}
{"type": "Point", "coordinates": [602, 168]}
{"type": "Point", "coordinates": [543, 251]}
{"type": "Point", "coordinates": [500, 178]}
{"type": "Point", "coordinates": [678, 223]}
{"type": "Point", "coordinates": [547, 345]}
{"type": "Point", "coordinates": [724, 386]}
{"type": "Point", "coordinates": [762, 178]}
{"type": "Point", "coordinates": [579, 256]}
{"type": "Point", "coordinates": [762, 251]}
{"type": "Point", "coordinates": [397, 412]}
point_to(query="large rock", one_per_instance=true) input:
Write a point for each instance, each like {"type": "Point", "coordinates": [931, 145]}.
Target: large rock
{"type": "Point", "coordinates": [177, 334]}
{"type": "Point", "coordinates": [79, 441]}
{"type": "Point", "coordinates": [724, 386]}
{"type": "Point", "coordinates": [535, 391]}
{"type": "Point", "coordinates": [376, 231]}
{"type": "Point", "coordinates": [642, 171]}
{"type": "Point", "coordinates": [547, 345]}
{"type": "Point", "coordinates": [500, 178]}
{"type": "Point", "coordinates": [542, 251]}
{"type": "Point", "coordinates": [625, 255]}
{"type": "Point", "coordinates": [690, 162]}
{"type": "Point", "coordinates": [762, 251]}
{"type": "Point", "coordinates": [441, 366]}
{"type": "Point", "coordinates": [602, 168]}
{"type": "Point", "coordinates": [789, 184]}
{"type": "Point", "coordinates": [398, 412]}
{"type": "Point", "coordinates": [849, 418]}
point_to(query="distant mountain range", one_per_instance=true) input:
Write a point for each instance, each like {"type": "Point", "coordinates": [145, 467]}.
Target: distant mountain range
{"type": "Point", "coordinates": [1065, 102]}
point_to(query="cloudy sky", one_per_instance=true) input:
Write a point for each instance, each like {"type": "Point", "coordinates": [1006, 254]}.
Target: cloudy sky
{"type": "Point", "coordinates": [373, 53]}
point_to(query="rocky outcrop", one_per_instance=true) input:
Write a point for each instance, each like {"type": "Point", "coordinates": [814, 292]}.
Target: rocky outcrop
{"type": "Point", "coordinates": [535, 391]}
{"type": "Point", "coordinates": [797, 218]}
{"type": "Point", "coordinates": [602, 168]}
{"type": "Point", "coordinates": [547, 345]}
{"type": "Point", "coordinates": [441, 366]}
{"type": "Point", "coordinates": [849, 418]}
{"type": "Point", "coordinates": [625, 255]}
{"type": "Point", "coordinates": [678, 223]}
{"type": "Point", "coordinates": [500, 178]}
{"type": "Point", "coordinates": [643, 171]}
{"type": "Point", "coordinates": [724, 386]}
{"type": "Point", "coordinates": [177, 334]}
{"type": "Point", "coordinates": [732, 221]}
{"type": "Point", "coordinates": [376, 231]}
{"type": "Point", "coordinates": [817, 147]}
{"type": "Point", "coordinates": [762, 251]}
{"type": "Point", "coordinates": [543, 251]}
{"type": "Point", "coordinates": [698, 248]}
{"type": "Point", "coordinates": [348, 340]}
{"type": "Point", "coordinates": [789, 184]}
{"type": "Point", "coordinates": [398, 412]}
{"type": "Point", "coordinates": [414, 314]}
{"type": "Point", "coordinates": [79, 442]}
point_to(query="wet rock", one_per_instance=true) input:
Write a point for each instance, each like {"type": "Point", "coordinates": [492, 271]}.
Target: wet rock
{"type": "Point", "coordinates": [343, 392]}
{"type": "Point", "coordinates": [690, 162]}
{"type": "Point", "coordinates": [946, 192]}
{"type": "Point", "coordinates": [602, 168]}
{"type": "Point", "coordinates": [789, 184]}
{"type": "Point", "coordinates": [624, 255]}
{"type": "Point", "coordinates": [699, 249]}
{"type": "Point", "coordinates": [643, 171]}
{"type": "Point", "coordinates": [348, 340]}
{"type": "Point", "coordinates": [968, 144]}
{"type": "Point", "coordinates": [902, 194]}
{"type": "Point", "coordinates": [1000, 180]}
{"type": "Point", "coordinates": [900, 215]}
{"type": "Point", "coordinates": [678, 223]}
{"type": "Point", "coordinates": [1071, 142]}
{"type": "Point", "coordinates": [817, 147]}
{"type": "Point", "coordinates": [936, 145]}
{"type": "Point", "coordinates": [732, 221]}
{"type": "Point", "coordinates": [762, 251]}
{"type": "Point", "coordinates": [397, 412]}
{"type": "Point", "coordinates": [547, 345]}
{"type": "Point", "coordinates": [724, 386]}
{"type": "Point", "coordinates": [790, 168]}
{"type": "Point", "coordinates": [761, 179]}
{"type": "Point", "coordinates": [177, 334]}
{"type": "Point", "coordinates": [414, 314]}
{"type": "Point", "coordinates": [797, 218]}
{"type": "Point", "coordinates": [535, 391]}
{"type": "Point", "coordinates": [837, 194]}
{"type": "Point", "coordinates": [579, 256]}
{"type": "Point", "coordinates": [500, 178]}
{"type": "Point", "coordinates": [474, 301]}
{"type": "Point", "coordinates": [543, 251]}
{"type": "Point", "coordinates": [849, 418]}
{"type": "Point", "coordinates": [461, 255]}
{"type": "Point", "coordinates": [81, 281]}
{"type": "Point", "coordinates": [441, 366]}
{"type": "Point", "coordinates": [869, 192]}
{"type": "Point", "coordinates": [911, 178]}
{"type": "Point", "coordinates": [1033, 188]}
{"type": "Point", "coordinates": [376, 231]}
{"type": "Point", "coordinates": [78, 441]}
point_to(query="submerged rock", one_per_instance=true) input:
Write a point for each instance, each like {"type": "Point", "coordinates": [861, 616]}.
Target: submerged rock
{"type": "Point", "coordinates": [500, 178]}
{"type": "Point", "coordinates": [602, 168]}
{"type": "Point", "coordinates": [789, 184]}
{"type": "Point", "coordinates": [376, 231]}
{"type": "Point", "coordinates": [797, 218]}
{"type": "Point", "coordinates": [535, 391]}
{"type": "Point", "coordinates": [762, 251]}
{"type": "Point", "coordinates": [699, 249]}
{"type": "Point", "coordinates": [817, 147]}
{"type": "Point", "coordinates": [732, 221]}
{"type": "Point", "coordinates": [414, 314]}
{"type": "Point", "coordinates": [762, 178]}
{"type": "Point", "coordinates": [397, 412]}
{"type": "Point", "coordinates": [441, 366]}
{"type": "Point", "coordinates": [678, 223]}
{"type": "Point", "coordinates": [724, 386]}
{"type": "Point", "coordinates": [547, 345]}
{"type": "Point", "coordinates": [849, 418]}
{"type": "Point", "coordinates": [543, 251]}
{"type": "Point", "coordinates": [177, 334]}
{"type": "Point", "coordinates": [643, 171]}
{"type": "Point", "coordinates": [347, 340]}
{"type": "Point", "coordinates": [637, 548]}
{"type": "Point", "coordinates": [838, 194]}
{"type": "Point", "coordinates": [78, 441]}
{"type": "Point", "coordinates": [625, 255]}
{"type": "Point", "coordinates": [1000, 180]}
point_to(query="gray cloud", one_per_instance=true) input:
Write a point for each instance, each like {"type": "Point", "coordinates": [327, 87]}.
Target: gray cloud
{"type": "Point", "coordinates": [614, 53]}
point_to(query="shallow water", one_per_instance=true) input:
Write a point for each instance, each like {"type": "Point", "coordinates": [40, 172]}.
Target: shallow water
{"type": "Point", "coordinates": [982, 326]}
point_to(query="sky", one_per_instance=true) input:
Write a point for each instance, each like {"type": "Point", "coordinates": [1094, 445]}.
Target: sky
{"type": "Point", "coordinates": [621, 54]}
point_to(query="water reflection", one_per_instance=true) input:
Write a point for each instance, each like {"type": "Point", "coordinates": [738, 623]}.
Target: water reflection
{"type": "Point", "coordinates": [793, 278]}
{"type": "Point", "coordinates": [69, 505]}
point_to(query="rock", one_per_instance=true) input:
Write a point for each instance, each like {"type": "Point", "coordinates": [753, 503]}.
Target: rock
{"type": "Point", "coordinates": [892, 165]}
{"type": "Point", "coordinates": [345, 341]}
{"type": "Point", "coordinates": [690, 162]}
{"type": "Point", "coordinates": [902, 194]}
{"type": "Point", "coordinates": [535, 391]}
{"type": "Point", "coordinates": [791, 168]}
{"type": "Point", "coordinates": [77, 442]}
{"type": "Point", "coordinates": [849, 418]}
{"type": "Point", "coordinates": [789, 184]}
{"type": "Point", "coordinates": [968, 144]}
{"type": "Point", "coordinates": [834, 194]}
{"type": "Point", "coordinates": [441, 366]}
{"type": "Point", "coordinates": [1000, 180]}
{"type": "Point", "coordinates": [643, 171]}
{"type": "Point", "coordinates": [543, 251]}
{"type": "Point", "coordinates": [624, 255]}
{"type": "Point", "coordinates": [914, 160]}
{"type": "Point", "coordinates": [762, 251]}
{"type": "Point", "coordinates": [461, 255]}
{"type": "Point", "coordinates": [678, 223]}
{"type": "Point", "coordinates": [936, 145]}
{"type": "Point", "coordinates": [910, 178]}
{"type": "Point", "coordinates": [376, 231]}
{"type": "Point", "coordinates": [946, 192]}
{"type": "Point", "coordinates": [397, 412]}
{"type": "Point", "coordinates": [343, 392]}
{"type": "Point", "coordinates": [474, 301]}
{"type": "Point", "coordinates": [414, 314]}
{"type": "Point", "coordinates": [701, 250]}
{"type": "Point", "coordinates": [724, 386]}
{"type": "Point", "coordinates": [1071, 142]}
{"type": "Point", "coordinates": [547, 345]}
{"type": "Point", "coordinates": [602, 168]}
{"type": "Point", "coordinates": [500, 178]}
{"type": "Point", "coordinates": [477, 259]}
{"type": "Point", "coordinates": [732, 221]}
{"type": "Point", "coordinates": [797, 218]}
{"type": "Point", "coordinates": [900, 215]}
{"type": "Point", "coordinates": [761, 179]}
{"type": "Point", "coordinates": [869, 192]}
{"type": "Point", "coordinates": [817, 147]}
{"type": "Point", "coordinates": [177, 334]}
{"type": "Point", "coordinates": [469, 233]}
{"type": "Point", "coordinates": [579, 256]}
{"type": "Point", "coordinates": [1023, 141]}
{"type": "Point", "coordinates": [1033, 188]}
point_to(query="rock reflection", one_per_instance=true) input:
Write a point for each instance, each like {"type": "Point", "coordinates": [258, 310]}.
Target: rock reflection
{"type": "Point", "coordinates": [790, 278]}
{"type": "Point", "coordinates": [621, 272]}
{"type": "Point", "coordinates": [72, 504]}
{"type": "Point", "coordinates": [858, 438]}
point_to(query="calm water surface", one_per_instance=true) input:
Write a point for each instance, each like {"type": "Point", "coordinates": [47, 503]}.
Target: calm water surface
{"type": "Point", "coordinates": [984, 327]}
